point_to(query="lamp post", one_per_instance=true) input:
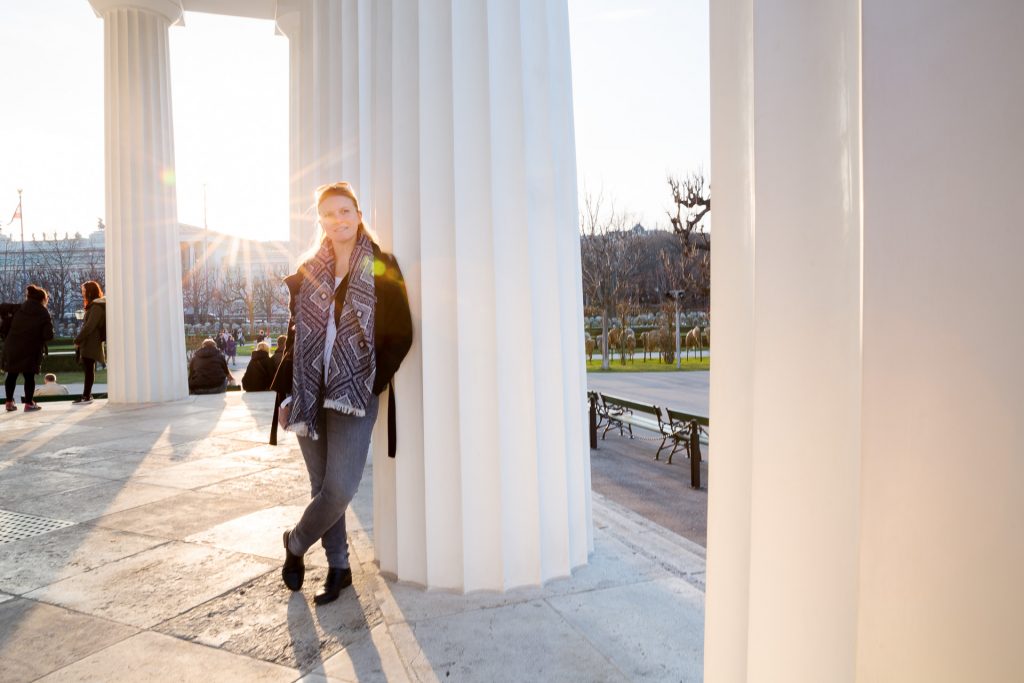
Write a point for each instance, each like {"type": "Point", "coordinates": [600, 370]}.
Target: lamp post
{"type": "Point", "coordinates": [21, 221]}
{"type": "Point", "coordinates": [675, 295]}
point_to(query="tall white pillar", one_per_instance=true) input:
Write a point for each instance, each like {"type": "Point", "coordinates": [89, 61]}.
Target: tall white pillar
{"type": "Point", "coordinates": [326, 115]}
{"type": "Point", "coordinates": [864, 518]}
{"type": "Point", "coordinates": [942, 471]}
{"type": "Point", "coordinates": [145, 329]}
{"type": "Point", "coordinates": [475, 191]}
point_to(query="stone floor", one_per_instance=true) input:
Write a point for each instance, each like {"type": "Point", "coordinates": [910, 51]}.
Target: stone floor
{"type": "Point", "coordinates": [142, 543]}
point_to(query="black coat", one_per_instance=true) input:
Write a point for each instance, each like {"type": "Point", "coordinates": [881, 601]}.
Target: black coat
{"type": "Point", "coordinates": [90, 339]}
{"type": "Point", "coordinates": [207, 369]}
{"type": "Point", "coordinates": [25, 343]}
{"type": "Point", "coordinates": [392, 333]}
{"type": "Point", "coordinates": [260, 372]}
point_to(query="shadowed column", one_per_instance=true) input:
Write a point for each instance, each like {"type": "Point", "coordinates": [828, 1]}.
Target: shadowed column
{"type": "Point", "coordinates": [145, 332]}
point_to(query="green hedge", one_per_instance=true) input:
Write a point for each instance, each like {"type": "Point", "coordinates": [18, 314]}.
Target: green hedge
{"type": "Point", "coordinates": [59, 364]}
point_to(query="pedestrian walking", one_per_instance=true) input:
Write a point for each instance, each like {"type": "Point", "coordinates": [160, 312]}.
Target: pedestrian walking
{"type": "Point", "coordinates": [89, 341]}
{"type": "Point", "coordinates": [230, 348]}
{"type": "Point", "coordinates": [31, 327]}
{"type": "Point", "coordinates": [350, 328]}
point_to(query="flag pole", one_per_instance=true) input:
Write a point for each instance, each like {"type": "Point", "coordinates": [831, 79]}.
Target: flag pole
{"type": "Point", "coordinates": [21, 220]}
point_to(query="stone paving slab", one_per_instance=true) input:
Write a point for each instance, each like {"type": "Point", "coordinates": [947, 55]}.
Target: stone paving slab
{"type": "Point", "coordinates": [29, 632]}
{"type": "Point", "coordinates": [191, 475]}
{"type": "Point", "coordinates": [187, 513]}
{"type": "Point", "coordinates": [259, 533]}
{"type": "Point", "coordinates": [616, 621]}
{"type": "Point", "coordinates": [275, 486]}
{"type": "Point", "coordinates": [38, 561]}
{"type": "Point", "coordinates": [374, 657]}
{"type": "Point", "coordinates": [90, 502]}
{"type": "Point", "coordinates": [155, 585]}
{"type": "Point", "coordinates": [521, 642]}
{"type": "Point", "coordinates": [21, 483]}
{"type": "Point", "coordinates": [155, 658]}
{"type": "Point", "coordinates": [265, 620]}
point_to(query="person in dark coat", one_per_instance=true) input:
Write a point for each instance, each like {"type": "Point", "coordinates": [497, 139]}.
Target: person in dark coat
{"type": "Point", "coordinates": [24, 345]}
{"type": "Point", "coordinates": [282, 345]}
{"type": "Point", "coordinates": [208, 371]}
{"type": "Point", "coordinates": [90, 340]}
{"type": "Point", "coordinates": [350, 329]}
{"type": "Point", "coordinates": [230, 348]}
{"type": "Point", "coordinates": [260, 372]}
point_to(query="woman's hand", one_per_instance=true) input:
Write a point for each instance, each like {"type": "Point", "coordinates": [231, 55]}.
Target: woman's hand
{"type": "Point", "coordinates": [282, 416]}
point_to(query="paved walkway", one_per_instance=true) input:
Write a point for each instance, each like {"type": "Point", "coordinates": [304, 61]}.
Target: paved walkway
{"type": "Point", "coordinates": [149, 550]}
{"type": "Point", "coordinates": [686, 391]}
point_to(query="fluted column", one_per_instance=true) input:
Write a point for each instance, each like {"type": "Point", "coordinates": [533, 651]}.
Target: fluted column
{"type": "Point", "coordinates": [475, 190]}
{"type": "Point", "coordinates": [785, 396]}
{"type": "Point", "coordinates": [325, 120]}
{"type": "Point", "coordinates": [145, 323]}
{"type": "Point", "coordinates": [864, 518]}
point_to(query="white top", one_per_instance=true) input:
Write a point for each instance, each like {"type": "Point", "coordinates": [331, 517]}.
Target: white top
{"type": "Point", "coordinates": [332, 332]}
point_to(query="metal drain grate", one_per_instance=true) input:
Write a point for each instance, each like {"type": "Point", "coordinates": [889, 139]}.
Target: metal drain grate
{"type": "Point", "coordinates": [15, 526]}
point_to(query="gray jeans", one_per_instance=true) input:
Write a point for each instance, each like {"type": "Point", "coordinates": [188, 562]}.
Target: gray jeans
{"type": "Point", "coordinates": [335, 464]}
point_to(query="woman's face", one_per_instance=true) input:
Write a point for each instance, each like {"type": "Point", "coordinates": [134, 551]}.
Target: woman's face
{"type": "Point", "coordinates": [339, 218]}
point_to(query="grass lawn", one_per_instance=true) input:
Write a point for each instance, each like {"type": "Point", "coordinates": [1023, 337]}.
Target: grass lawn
{"type": "Point", "coordinates": [650, 365]}
{"type": "Point", "coordinates": [71, 378]}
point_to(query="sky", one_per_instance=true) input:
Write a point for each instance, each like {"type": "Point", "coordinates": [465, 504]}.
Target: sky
{"type": "Point", "coordinates": [640, 89]}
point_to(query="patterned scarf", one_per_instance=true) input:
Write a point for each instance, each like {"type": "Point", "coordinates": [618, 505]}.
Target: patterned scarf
{"type": "Point", "coordinates": [353, 361]}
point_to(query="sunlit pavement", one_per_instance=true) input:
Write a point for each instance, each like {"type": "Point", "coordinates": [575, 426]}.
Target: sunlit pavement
{"type": "Point", "coordinates": [143, 543]}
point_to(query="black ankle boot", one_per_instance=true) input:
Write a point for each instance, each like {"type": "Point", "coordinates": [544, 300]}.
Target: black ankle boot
{"type": "Point", "coordinates": [337, 580]}
{"type": "Point", "coordinates": [294, 570]}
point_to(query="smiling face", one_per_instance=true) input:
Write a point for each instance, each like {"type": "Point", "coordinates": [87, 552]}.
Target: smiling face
{"type": "Point", "coordinates": [339, 218]}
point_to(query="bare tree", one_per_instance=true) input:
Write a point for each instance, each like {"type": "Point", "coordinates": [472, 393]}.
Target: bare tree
{"type": "Point", "coordinates": [196, 287]}
{"type": "Point", "coordinates": [10, 273]}
{"type": "Point", "coordinates": [239, 289]}
{"type": "Point", "coordinates": [610, 256]}
{"type": "Point", "coordinates": [220, 300]}
{"type": "Point", "coordinates": [691, 197]}
{"type": "Point", "coordinates": [58, 271]}
{"type": "Point", "coordinates": [270, 292]}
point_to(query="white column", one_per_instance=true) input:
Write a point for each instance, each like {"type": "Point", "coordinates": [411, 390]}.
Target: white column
{"type": "Point", "coordinates": [324, 113]}
{"type": "Point", "coordinates": [864, 521]}
{"type": "Point", "coordinates": [475, 190]}
{"type": "Point", "coordinates": [145, 330]}
{"type": "Point", "coordinates": [942, 546]}
{"type": "Point", "coordinates": [785, 394]}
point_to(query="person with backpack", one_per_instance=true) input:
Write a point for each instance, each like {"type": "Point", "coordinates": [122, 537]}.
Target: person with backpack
{"type": "Point", "coordinates": [24, 344]}
{"type": "Point", "coordinates": [89, 341]}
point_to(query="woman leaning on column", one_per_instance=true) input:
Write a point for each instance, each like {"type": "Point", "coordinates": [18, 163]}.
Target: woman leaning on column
{"type": "Point", "coordinates": [350, 329]}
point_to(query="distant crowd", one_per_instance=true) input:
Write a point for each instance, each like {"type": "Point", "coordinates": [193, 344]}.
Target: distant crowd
{"type": "Point", "coordinates": [27, 327]}
{"type": "Point", "coordinates": [208, 371]}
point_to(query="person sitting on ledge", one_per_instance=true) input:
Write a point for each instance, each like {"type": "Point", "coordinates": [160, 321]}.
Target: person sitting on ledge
{"type": "Point", "coordinates": [208, 371]}
{"type": "Point", "coordinates": [260, 372]}
{"type": "Point", "coordinates": [51, 387]}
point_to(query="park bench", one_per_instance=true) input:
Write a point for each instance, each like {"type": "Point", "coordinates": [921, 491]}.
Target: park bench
{"type": "Point", "coordinates": [625, 414]}
{"type": "Point", "coordinates": [686, 424]}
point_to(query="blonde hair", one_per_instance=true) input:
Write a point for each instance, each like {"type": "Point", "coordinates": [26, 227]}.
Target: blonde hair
{"type": "Point", "coordinates": [342, 189]}
{"type": "Point", "coordinates": [263, 346]}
